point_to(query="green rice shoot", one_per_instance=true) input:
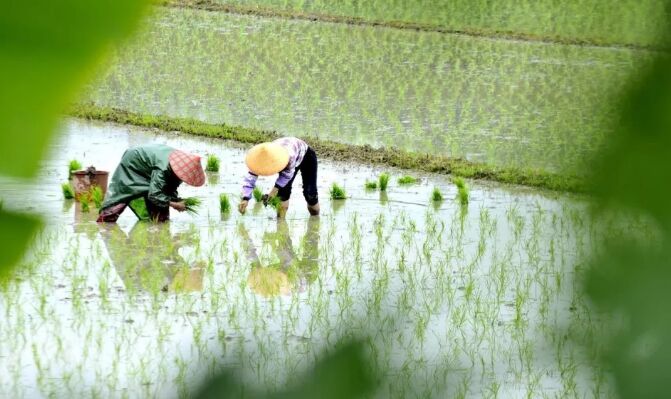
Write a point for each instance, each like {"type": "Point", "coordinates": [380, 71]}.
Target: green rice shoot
{"type": "Point", "coordinates": [139, 207]}
{"type": "Point", "coordinates": [224, 203]}
{"type": "Point", "coordinates": [73, 166]}
{"type": "Point", "coordinates": [275, 202]}
{"type": "Point", "coordinates": [96, 195]}
{"type": "Point", "coordinates": [84, 200]}
{"type": "Point", "coordinates": [212, 163]}
{"type": "Point", "coordinates": [257, 194]}
{"type": "Point", "coordinates": [384, 181]}
{"type": "Point", "coordinates": [68, 191]}
{"type": "Point", "coordinates": [407, 180]}
{"type": "Point", "coordinates": [192, 205]}
{"type": "Point", "coordinates": [462, 190]}
{"type": "Point", "coordinates": [337, 192]}
{"type": "Point", "coordinates": [371, 185]}
{"type": "Point", "coordinates": [436, 195]}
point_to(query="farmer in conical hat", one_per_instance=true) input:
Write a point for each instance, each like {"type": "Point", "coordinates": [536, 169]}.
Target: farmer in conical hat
{"type": "Point", "coordinates": [152, 172]}
{"type": "Point", "coordinates": [285, 156]}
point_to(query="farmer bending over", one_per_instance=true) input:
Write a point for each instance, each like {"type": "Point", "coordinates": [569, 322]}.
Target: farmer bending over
{"type": "Point", "coordinates": [285, 156]}
{"type": "Point", "coordinates": [152, 172]}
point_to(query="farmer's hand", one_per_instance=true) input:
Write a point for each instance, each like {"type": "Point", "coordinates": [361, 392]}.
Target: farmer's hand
{"type": "Point", "coordinates": [242, 206]}
{"type": "Point", "coordinates": [178, 206]}
{"type": "Point", "coordinates": [271, 194]}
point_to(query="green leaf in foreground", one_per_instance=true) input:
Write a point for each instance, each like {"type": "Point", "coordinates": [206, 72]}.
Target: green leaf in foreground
{"type": "Point", "coordinates": [344, 373]}
{"type": "Point", "coordinates": [47, 53]}
{"type": "Point", "coordinates": [15, 233]}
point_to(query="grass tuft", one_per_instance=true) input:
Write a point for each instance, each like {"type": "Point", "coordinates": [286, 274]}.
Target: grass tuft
{"type": "Point", "coordinates": [384, 181]}
{"type": "Point", "coordinates": [371, 185]}
{"type": "Point", "coordinates": [337, 192]}
{"type": "Point", "coordinates": [212, 163]}
{"type": "Point", "coordinates": [407, 180]}
{"type": "Point", "coordinates": [462, 190]}
{"type": "Point", "coordinates": [436, 195]}
{"type": "Point", "coordinates": [73, 166]}
{"type": "Point", "coordinates": [224, 203]}
{"type": "Point", "coordinates": [68, 191]}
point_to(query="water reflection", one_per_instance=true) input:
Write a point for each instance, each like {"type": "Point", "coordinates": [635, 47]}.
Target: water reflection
{"type": "Point", "coordinates": [148, 259]}
{"type": "Point", "coordinates": [276, 268]}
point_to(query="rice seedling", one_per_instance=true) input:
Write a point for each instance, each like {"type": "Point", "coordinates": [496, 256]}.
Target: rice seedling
{"type": "Point", "coordinates": [84, 201]}
{"type": "Point", "coordinates": [462, 190]}
{"type": "Point", "coordinates": [212, 163]}
{"type": "Point", "coordinates": [224, 203]}
{"type": "Point", "coordinates": [73, 166]}
{"type": "Point", "coordinates": [405, 180]}
{"type": "Point", "coordinates": [337, 192]}
{"type": "Point", "coordinates": [96, 195]}
{"type": "Point", "coordinates": [436, 195]}
{"type": "Point", "coordinates": [384, 181]}
{"type": "Point", "coordinates": [139, 207]}
{"type": "Point", "coordinates": [68, 191]}
{"type": "Point", "coordinates": [275, 203]}
{"type": "Point", "coordinates": [257, 194]}
{"type": "Point", "coordinates": [371, 185]}
{"type": "Point", "coordinates": [192, 204]}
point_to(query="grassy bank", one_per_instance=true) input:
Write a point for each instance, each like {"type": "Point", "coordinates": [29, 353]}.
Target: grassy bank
{"type": "Point", "coordinates": [343, 152]}
{"type": "Point", "coordinates": [580, 22]}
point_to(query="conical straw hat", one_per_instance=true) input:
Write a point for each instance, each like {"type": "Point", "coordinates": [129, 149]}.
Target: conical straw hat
{"type": "Point", "coordinates": [187, 167]}
{"type": "Point", "coordinates": [266, 159]}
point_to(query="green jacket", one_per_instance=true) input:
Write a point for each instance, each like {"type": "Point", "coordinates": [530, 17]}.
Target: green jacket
{"type": "Point", "coordinates": [144, 171]}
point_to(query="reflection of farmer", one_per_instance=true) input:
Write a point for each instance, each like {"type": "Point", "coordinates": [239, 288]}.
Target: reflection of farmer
{"type": "Point", "coordinates": [152, 172]}
{"type": "Point", "coordinates": [279, 273]}
{"type": "Point", "coordinates": [285, 156]}
{"type": "Point", "coordinates": [147, 258]}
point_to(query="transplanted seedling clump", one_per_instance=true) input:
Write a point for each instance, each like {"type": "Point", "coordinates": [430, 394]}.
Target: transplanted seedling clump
{"type": "Point", "coordinates": [436, 195]}
{"type": "Point", "coordinates": [73, 166]}
{"type": "Point", "coordinates": [384, 181]}
{"type": "Point", "coordinates": [212, 163]}
{"type": "Point", "coordinates": [407, 180]}
{"type": "Point", "coordinates": [68, 191]}
{"type": "Point", "coordinates": [462, 190]}
{"type": "Point", "coordinates": [337, 192]}
{"type": "Point", "coordinates": [371, 185]}
{"type": "Point", "coordinates": [224, 203]}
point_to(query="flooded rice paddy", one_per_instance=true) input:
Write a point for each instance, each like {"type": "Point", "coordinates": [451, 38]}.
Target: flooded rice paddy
{"type": "Point", "coordinates": [623, 22]}
{"type": "Point", "coordinates": [502, 102]}
{"type": "Point", "coordinates": [452, 301]}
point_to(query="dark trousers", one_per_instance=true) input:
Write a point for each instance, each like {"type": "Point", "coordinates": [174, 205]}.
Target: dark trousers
{"type": "Point", "coordinates": [112, 213]}
{"type": "Point", "coordinates": [308, 169]}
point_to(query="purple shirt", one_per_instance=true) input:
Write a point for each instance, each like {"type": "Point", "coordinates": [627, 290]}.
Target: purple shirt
{"type": "Point", "coordinates": [296, 148]}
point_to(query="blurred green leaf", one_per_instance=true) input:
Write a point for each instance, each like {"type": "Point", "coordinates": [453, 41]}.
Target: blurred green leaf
{"type": "Point", "coordinates": [344, 373]}
{"type": "Point", "coordinates": [15, 231]}
{"type": "Point", "coordinates": [47, 51]}
{"type": "Point", "coordinates": [632, 281]}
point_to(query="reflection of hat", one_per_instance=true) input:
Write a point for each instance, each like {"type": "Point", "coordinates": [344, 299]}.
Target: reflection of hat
{"type": "Point", "coordinates": [187, 167]}
{"type": "Point", "coordinates": [268, 282]}
{"type": "Point", "coordinates": [266, 159]}
{"type": "Point", "coordinates": [187, 280]}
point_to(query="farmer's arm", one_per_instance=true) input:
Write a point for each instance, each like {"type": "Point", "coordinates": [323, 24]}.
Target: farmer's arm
{"type": "Point", "coordinates": [248, 184]}
{"type": "Point", "coordinates": [285, 177]}
{"type": "Point", "coordinates": [157, 192]}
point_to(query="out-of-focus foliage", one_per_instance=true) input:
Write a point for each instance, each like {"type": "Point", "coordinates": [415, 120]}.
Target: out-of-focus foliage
{"type": "Point", "coordinates": [47, 51]}
{"type": "Point", "coordinates": [344, 373]}
{"type": "Point", "coordinates": [633, 279]}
